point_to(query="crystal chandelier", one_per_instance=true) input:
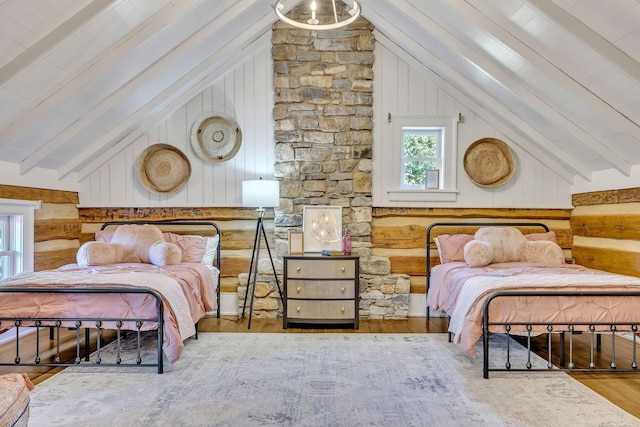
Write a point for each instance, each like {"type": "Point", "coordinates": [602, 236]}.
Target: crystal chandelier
{"type": "Point", "coordinates": [314, 23]}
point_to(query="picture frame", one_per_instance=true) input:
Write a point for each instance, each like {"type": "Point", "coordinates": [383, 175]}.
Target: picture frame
{"type": "Point", "coordinates": [296, 243]}
{"type": "Point", "coordinates": [322, 228]}
{"type": "Point", "coordinates": [432, 179]}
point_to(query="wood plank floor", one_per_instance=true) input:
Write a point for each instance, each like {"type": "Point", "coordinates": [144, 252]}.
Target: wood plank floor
{"type": "Point", "coordinates": [621, 389]}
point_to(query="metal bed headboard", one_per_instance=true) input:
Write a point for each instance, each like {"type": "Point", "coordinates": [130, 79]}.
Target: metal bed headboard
{"type": "Point", "coordinates": [217, 261]}
{"type": "Point", "coordinates": [469, 224]}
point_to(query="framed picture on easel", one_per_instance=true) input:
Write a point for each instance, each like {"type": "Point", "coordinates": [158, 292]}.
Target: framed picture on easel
{"type": "Point", "coordinates": [322, 227]}
{"type": "Point", "coordinates": [296, 243]}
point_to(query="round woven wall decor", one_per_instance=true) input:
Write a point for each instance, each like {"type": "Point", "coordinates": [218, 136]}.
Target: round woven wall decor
{"type": "Point", "coordinates": [163, 169]}
{"type": "Point", "coordinates": [216, 137]}
{"type": "Point", "coordinates": [489, 162]}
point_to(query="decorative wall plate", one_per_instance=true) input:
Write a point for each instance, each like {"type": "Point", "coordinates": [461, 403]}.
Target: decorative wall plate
{"type": "Point", "coordinates": [489, 162]}
{"type": "Point", "coordinates": [216, 137]}
{"type": "Point", "coordinates": [163, 169]}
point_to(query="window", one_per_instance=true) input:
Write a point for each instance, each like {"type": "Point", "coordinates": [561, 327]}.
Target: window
{"type": "Point", "coordinates": [6, 254]}
{"type": "Point", "coordinates": [421, 151]}
{"type": "Point", "coordinates": [16, 236]}
{"type": "Point", "coordinates": [423, 147]}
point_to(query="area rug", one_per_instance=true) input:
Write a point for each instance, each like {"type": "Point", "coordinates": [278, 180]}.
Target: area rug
{"type": "Point", "coordinates": [314, 379]}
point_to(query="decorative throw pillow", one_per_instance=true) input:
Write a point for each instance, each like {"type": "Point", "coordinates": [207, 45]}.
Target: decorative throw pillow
{"type": "Point", "coordinates": [549, 236]}
{"type": "Point", "coordinates": [451, 247]}
{"type": "Point", "coordinates": [164, 253]}
{"type": "Point", "coordinates": [192, 247]}
{"type": "Point", "coordinates": [543, 251]}
{"type": "Point", "coordinates": [478, 253]}
{"type": "Point", "coordinates": [104, 235]}
{"type": "Point", "coordinates": [507, 242]}
{"type": "Point", "coordinates": [136, 240]}
{"type": "Point", "coordinates": [211, 250]}
{"type": "Point", "coordinates": [99, 253]}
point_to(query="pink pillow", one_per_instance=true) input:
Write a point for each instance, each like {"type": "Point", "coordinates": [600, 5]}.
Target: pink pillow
{"type": "Point", "coordinates": [192, 247]}
{"type": "Point", "coordinates": [549, 236]}
{"type": "Point", "coordinates": [451, 247]}
{"type": "Point", "coordinates": [104, 235]}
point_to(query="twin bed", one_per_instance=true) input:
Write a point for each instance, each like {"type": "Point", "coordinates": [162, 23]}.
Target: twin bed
{"type": "Point", "coordinates": [135, 277]}
{"type": "Point", "coordinates": [503, 280]}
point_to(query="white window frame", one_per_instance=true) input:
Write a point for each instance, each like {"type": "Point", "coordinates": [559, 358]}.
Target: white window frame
{"type": "Point", "coordinates": [21, 217]}
{"type": "Point", "coordinates": [448, 186]}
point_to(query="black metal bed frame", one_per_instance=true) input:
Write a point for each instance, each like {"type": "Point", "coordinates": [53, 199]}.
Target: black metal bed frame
{"type": "Point", "coordinates": [49, 354]}
{"type": "Point", "coordinates": [595, 329]}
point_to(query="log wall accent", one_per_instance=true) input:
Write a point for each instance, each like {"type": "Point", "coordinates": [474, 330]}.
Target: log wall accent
{"type": "Point", "coordinates": [400, 233]}
{"type": "Point", "coordinates": [606, 226]}
{"type": "Point", "coordinates": [57, 224]}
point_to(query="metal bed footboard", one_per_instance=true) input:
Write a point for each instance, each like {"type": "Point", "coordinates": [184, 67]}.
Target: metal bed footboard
{"type": "Point", "coordinates": [49, 353]}
{"type": "Point", "coordinates": [595, 330]}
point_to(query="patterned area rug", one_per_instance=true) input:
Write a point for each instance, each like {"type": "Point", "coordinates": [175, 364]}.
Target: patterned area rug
{"type": "Point", "coordinates": [313, 379]}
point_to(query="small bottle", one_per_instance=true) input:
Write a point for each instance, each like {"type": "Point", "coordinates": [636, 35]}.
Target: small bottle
{"type": "Point", "coordinates": [346, 241]}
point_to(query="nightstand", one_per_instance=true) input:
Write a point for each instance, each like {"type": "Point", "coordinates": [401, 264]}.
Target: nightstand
{"type": "Point", "coordinates": [321, 289]}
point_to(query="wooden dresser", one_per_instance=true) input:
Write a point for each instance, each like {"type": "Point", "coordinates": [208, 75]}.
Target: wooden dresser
{"type": "Point", "coordinates": [321, 289]}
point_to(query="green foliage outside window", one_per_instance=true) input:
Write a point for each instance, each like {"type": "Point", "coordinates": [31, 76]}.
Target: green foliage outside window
{"type": "Point", "coordinates": [420, 153]}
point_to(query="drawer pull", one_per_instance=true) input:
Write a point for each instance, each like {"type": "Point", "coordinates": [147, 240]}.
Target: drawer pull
{"type": "Point", "coordinates": [298, 289]}
{"type": "Point", "coordinates": [342, 289]}
{"type": "Point", "coordinates": [298, 308]}
{"type": "Point", "coordinates": [342, 309]}
{"type": "Point", "coordinates": [342, 268]}
{"type": "Point", "coordinates": [298, 268]}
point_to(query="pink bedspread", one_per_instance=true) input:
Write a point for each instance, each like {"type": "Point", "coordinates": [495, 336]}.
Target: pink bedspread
{"type": "Point", "coordinates": [460, 291]}
{"type": "Point", "coordinates": [187, 289]}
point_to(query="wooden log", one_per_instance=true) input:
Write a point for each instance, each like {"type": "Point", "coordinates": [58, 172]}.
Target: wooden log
{"type": "Point", "coordinates": [42, 194]}
{"type": "Point", "coordinates": [622, 262]}
{"type": "Point", "coordinates": [49, 260]}
{"type": "Point", "coordinates": [56, 229]}
{"type": "Point", "coordinates": [610, 226]}
{"type": "Point", "coordinates": [626, 195]}
{"type": "Point", "coordinates": [471, 213]}
{"type": "Point", "coordinates": [411, 265]}
{"type": "Point", "coordinates": [98, 215]}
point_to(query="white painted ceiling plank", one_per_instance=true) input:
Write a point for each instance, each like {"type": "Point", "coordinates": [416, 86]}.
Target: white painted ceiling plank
{"type": "Point", "coordinates": [508, 82]}
{"type": "Point", "coordinates": [531, 56]}
{"type": "Point", "coordinates": [172, 98]}
{"type": "Point", "coordinates": [134, 84]}
{"type": "Point", "coordinates": [53, 38]}
{"type": "Point", "coordinates": [486, 106]}
{"type": "Point", "coordinates": [598, 43]}
{"type": "Point", "coordinates": [124, 47]}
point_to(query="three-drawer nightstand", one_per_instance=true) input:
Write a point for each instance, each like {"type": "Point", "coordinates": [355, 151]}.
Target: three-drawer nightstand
{"type": "Point", "coordinates": [321, 289]}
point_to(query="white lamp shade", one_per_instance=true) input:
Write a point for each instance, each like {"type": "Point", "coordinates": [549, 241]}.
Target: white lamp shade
{"type": "Point", "coordinates": [260, 193]}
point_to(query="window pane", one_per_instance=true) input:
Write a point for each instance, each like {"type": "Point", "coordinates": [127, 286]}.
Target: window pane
{"type": "Point", "coordinates": [415, 172]}
{"type": "Point", "coordinates": [420, 144]}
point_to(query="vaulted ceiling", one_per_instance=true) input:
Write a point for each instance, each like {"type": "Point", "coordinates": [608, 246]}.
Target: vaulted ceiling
{"type": "Point", "coordinates": [80, 79]}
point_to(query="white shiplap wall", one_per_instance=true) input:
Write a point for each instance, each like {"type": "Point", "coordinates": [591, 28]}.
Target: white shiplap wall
{"type": "Point", "coordinates": [401, 87]}
{"type": "Point", "coordinates": [245, 92]}
{"type": "Point", "coordinates": [404, 87]}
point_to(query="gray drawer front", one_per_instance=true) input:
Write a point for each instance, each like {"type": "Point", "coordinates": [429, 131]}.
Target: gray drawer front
{"type": "Point", "coordinates": [329, 269]}
{"type": "Point", "coordinates": [321, 289]}
{"type": "Point", "coordinates": [304, 309]}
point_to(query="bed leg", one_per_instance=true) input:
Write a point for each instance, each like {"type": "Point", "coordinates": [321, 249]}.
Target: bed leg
{"type": "Point", "coordinates": [485, 355]}
{"type": "Point", "coordinates": [562, 349]}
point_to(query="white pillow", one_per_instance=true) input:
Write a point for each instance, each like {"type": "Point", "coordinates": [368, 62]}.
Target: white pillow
{"type": "Point", "coordinates": [543, 251]}
{"type": "Point", "coordinates": [507, 242]}
{"type": "Point", "coordinates": [478, 253]}
{"type": "Point", "coordinates": [211, 250]}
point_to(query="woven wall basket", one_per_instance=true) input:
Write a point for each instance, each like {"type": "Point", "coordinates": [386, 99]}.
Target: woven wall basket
{"type": "Point", "coordinates": [489, 162]}
{"type": "Point", "coordinates": [216, 137]}
{"type": "Point", "coordinates": [163, 169]}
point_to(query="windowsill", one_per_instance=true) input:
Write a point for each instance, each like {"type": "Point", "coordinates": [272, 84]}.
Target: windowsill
{"type": "Point", "coordinates": [422, 195]}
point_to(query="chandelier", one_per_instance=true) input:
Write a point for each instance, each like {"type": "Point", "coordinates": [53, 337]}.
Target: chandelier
{"type": "Point", "coordinates": [314, 23]}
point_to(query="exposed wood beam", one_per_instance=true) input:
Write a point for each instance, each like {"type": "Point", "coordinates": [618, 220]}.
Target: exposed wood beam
{"type": "Point", "coordinates": [535, 59]}
{"type": "Point", "coordinates": [594, 40]}
{"type": "Point", "coordinates": [121, 49]}
{"type": "Point", "coordinates": [491, 111]}
{"type": "Point", "coordinates": [54, 37]}
{"type": "Point", "coordinates": [166, 102]}
{"type": "Point", "coordinates": [456, 80]}
{"type": "Point", "coordinates": [495, 72]}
